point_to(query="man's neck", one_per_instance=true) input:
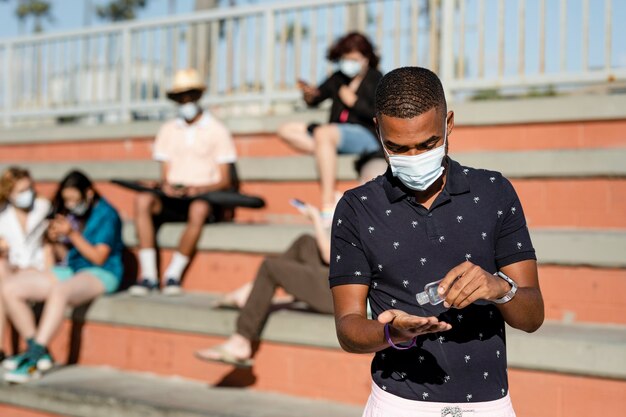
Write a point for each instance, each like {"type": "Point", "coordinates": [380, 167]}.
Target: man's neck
{"type": "Point", "coordinates": [427, 197]}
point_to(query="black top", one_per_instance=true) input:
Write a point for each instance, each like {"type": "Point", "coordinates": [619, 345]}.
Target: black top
{"type": "Point", "coordinates": [362, 112]}
{"type": "Point", "coordinates": [383, 239]}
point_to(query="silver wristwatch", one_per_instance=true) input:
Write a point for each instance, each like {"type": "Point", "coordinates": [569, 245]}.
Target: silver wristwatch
{"type": "Point", "coordinates": [509, 295]}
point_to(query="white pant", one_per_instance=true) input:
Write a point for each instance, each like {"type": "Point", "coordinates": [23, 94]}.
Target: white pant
{"type": "Point", "coordinates": [384, 404]}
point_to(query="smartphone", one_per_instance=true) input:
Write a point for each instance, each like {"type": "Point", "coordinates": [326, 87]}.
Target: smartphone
{"type": "Point", "coordinates": [297, 203]}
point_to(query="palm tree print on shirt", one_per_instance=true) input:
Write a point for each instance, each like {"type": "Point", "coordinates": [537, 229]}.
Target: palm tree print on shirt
{"type": "Point", "coordinates": [476, 200]}
{"type": "Point", "coordinates": [422, 261]}
{"type": "Point", "coordinates": [380, 267]}
{"type": "Point", "coordinates": [483, 235]}
{"type": "Point", "coordinates": [467, 358]}
{"type": "Point", "coordinates": [338, 258]}
{"type": "Point", "coordinates": [468, 256]}
{"type": "Point", "coordinates": [499, 213]}
{"type": "Point", "coordinates": [459, 219]}
{"type": "Point", "coordinates": [370, 229]}
{"type": "Point", "coordinates": [363, 197]}
{"type": "Point", "coordinates": [424, 395]}
{"type": "Point", "coordinates": [492, 179]}
{"type": "Point", "coordinates": [396, 244]}
{"type": "Point", "coordinates": [387, 212]}
{"type": "Point", "coordinates": [405, 283]}
{"type": "Point", "coordinates": [469, 397]}
{"type": "Point", "coordinates": [339, 221]}
{"type": "Point", "coordinates": [414, 223]}
{"type": "Point", "coordinates": [513, 210]}
{"type": "Point", "coordinates": [519, 245]}
{"type": "Point", "coordinates": [485, 375]}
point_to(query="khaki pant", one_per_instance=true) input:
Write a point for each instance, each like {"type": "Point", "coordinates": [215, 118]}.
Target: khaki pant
{"type": "Point", "coordinates": [300, 271]}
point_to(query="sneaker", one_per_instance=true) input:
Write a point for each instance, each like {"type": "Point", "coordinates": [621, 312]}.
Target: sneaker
{"type": "Point", "coordinates": [44, 362]}
{"type": "Point", "coordinates": [143, 288]}
{"type": "Point", "coordinates": [172, 287]}
{"type": "Point", "coordinates": [13, 362]}
{"type": "Point", "coordinates": [25, 372]}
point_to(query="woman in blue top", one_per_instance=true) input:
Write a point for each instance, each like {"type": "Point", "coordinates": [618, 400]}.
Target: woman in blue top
{"type": "Point", "coordinates": [87, 235]}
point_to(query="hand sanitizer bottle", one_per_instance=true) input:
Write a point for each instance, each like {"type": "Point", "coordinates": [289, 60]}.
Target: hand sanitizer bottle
{"type": "Point", "coordinates": [430, 294]}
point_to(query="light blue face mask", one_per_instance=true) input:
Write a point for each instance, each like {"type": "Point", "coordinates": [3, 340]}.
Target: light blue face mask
{"type": "Point", "coordinates": [188, 111]}
{"type": "Point", "coordinates": [350, 67]}
{"type": "Point", "coordinates": [418, 172]}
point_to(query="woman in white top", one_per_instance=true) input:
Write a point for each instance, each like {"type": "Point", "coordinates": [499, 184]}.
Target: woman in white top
{"type": "Point", "coordinates": [22, 227]}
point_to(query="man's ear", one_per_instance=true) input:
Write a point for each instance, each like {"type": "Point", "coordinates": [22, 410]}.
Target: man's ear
{"type": "Point", "coordinates": [450, 121]}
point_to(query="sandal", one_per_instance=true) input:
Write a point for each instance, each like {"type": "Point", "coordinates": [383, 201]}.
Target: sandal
{"type": "Point", "coordinates": [223, 356]}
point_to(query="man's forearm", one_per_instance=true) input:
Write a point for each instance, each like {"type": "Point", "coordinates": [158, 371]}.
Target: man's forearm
{"type": "Point", "coordinates": [525, 311]}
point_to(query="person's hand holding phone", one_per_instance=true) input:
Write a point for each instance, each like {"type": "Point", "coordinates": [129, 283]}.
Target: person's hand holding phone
{"type": "Point", "coordinates": [310, 211]}
{"type": "Point", "coordinates": [174, 190]}
{"type": "Point", "coordinates": [61, 226]}
{"type": "Point", "coordinates": [308, 91]}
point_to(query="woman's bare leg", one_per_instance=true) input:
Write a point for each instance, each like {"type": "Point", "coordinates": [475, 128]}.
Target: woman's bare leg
{"type": "Point", "coordinates": [326, 139]}
{"type": "Point", "coordinates": [79, 289]}
{"type": "Point", "coordinates": [20, 288]}
{"type": "Point", "coordinates": [295, 134]}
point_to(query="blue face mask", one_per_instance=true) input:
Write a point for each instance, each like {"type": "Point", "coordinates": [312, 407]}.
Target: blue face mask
{"type": "Point", "coordinates": [418, 172]}
{"type": "Point", "coordinates": [350, 67]}
{"type": "Point", "coordinates": [188, 111]}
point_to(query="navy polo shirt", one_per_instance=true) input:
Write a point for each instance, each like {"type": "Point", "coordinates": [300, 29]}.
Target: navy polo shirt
{"type": "Point", "coordinates": [383, 239]}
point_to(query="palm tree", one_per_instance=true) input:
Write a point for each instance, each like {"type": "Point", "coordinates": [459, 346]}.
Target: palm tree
{"type": "Point", "coordinates": [117, 10]}
{"type": "Point", "coordinates": [37, 9]}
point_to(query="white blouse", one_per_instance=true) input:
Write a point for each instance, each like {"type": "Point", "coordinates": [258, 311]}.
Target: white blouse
{"type": "Point", "coordinates": [25, 246]}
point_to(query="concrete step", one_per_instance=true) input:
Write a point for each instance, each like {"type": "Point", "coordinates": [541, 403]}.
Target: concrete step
{"type": "Point", "coordinates": [543, 123]}
{"type": "Point", "coordinates": [159, 335]}
{"type": "Point", "coordinates": [571, 293]}
{"type": "Point", "coordinates": [553, 202]}
{"type": "Point", "coordinates": [553, 246]}
{"type": "Point", "coordinates": [100, 391]}
{"type": "Point", "coordinates": [587, 163]}
{"type": "Point", "coordinates": [593, 350]}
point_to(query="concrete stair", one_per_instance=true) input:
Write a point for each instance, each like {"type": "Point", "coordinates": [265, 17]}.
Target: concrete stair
{"type": "Point", "coordinates": [159, 334]}
{"type": "Point", "coordinates": [105, 392]}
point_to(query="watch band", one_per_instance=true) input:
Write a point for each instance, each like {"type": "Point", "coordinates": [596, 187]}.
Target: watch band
{"type": "Point", "coordinates": [509, 295]}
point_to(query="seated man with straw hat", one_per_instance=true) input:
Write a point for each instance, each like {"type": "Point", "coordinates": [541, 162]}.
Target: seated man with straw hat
{"type": "Point", "coordinates": [196, 151]}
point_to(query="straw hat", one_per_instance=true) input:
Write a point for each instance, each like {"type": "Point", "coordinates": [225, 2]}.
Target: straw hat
{"type": "Point", "coordinates": [186, 80]}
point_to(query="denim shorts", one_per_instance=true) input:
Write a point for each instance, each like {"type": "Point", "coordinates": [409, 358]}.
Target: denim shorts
{"type": "Point", "coordinates": [355, 139]}
{"type": "Point", "coordinates": [110, 281]}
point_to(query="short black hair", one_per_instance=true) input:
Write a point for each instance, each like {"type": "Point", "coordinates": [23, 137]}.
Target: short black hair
{"type": "Point", "coordinates": [408, 92]}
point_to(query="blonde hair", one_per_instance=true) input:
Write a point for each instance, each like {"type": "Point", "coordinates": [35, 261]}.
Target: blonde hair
{"type": "Point", "coordinates": [8, 179]}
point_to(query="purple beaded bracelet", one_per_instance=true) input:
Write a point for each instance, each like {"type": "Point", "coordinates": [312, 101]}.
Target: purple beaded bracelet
{"type": "Point", "coordinates": [393, 345]}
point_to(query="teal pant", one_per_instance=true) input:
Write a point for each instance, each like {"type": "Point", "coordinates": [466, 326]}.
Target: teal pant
{"type": "Point", "coordinates": [110, 281]}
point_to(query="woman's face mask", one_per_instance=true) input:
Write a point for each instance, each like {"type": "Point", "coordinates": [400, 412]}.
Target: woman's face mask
{"type": "Point", "coordinates": [24, 200]}
{"type": "Point", "coordinates": [418, 172]}
{"type": "Point", "coordinates": [80, 209]}
{"type": "Point", "coordinates": [350, 67]}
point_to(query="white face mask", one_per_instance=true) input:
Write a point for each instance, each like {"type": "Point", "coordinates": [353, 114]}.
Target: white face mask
{"type": "Point", "coordinates": [188, 111]}
{"type": "Point", "coordinates": [418, 172]}
{"type": "Point", "coordinates": [80, 209]}
{"type": "Point", "coordinates": [350, 67]}
{"type": "Point", "coordinates": [25, 199]}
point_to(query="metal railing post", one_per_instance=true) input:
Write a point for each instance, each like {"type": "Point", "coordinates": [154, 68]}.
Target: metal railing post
{"type": "Point", "coordinates": [125, 115]}
{"type": "Point", "coordinates": [270, 34]}
{"type": "Point", "coordinates": [6, 80]}
{"type": "Point", "coordinates": [446, 72]}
